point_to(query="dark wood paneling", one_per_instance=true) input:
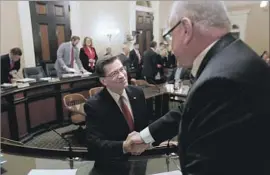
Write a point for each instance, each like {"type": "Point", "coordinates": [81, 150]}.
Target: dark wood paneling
{"type": "Point", "coordinates": [144, 23]}
{"type": "Point", "coordinates": [41, 8]}
{"type": "Point", "coordinates": [60, 32]}
{"type": "Point", "coordinates": [44, 37]}
{"type": "Point", "coordinates": [5, 131]}
{"type": "Point", "coordinates": [42, 111]}
{"type": "Point", "coordinates": [21, 118]}
{"type": "Point", "coordinates": [57, 15]}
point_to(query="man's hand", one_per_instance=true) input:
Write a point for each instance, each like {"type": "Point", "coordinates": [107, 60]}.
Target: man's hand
{"type": "Point", "coordinates": [71, 70]}
{"type": "Point", "coordinates": [13, 72]}
{"type": "Point", "coordinates": [134, 144]}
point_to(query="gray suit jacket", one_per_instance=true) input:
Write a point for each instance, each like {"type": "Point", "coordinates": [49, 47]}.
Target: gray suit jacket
{"type": "Point", "coordinates": [63, 58]}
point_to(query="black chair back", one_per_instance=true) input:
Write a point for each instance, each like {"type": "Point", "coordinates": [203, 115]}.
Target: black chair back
{"type": "Point", "coordinates": [33, 72]}
{"type": "Point", "coordinates": [50, 70]}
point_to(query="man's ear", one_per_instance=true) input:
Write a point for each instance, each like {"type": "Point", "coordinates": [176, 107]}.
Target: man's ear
{"type": "Point", "coordinates": [103, 81]}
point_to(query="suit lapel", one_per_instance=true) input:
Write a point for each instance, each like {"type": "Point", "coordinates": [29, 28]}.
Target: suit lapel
{"type": "Point", "coordinates": [113, 108]}
{"type": "Point", "coordinates": [218, 47]}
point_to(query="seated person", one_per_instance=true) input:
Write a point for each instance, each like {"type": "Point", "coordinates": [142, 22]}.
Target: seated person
{"type": "Point", "coordinates": [10, 65]}
{"type": "Point", "coordinates": [112, 114]}
{"type": "Point", "coordinates": [67, 55]}
{"type": "Point", "coordinates": [178, 74]}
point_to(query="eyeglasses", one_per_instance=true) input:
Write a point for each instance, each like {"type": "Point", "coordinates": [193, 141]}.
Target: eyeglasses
{"type": "Point", "coordinates": [115, 73]}
{"type": "Point", "coordinates": [168, 36]}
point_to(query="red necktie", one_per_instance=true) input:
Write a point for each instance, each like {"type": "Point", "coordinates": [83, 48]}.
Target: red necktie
{"type": "Point", "coordinates": [127, 114]}
{"type": "Point", "coordinates": [72, 57]}
{"type": "Point", "coordinates": [11, 65]}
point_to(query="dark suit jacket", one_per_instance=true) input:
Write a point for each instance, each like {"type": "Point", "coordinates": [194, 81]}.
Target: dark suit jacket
{"type": "Point", "coordinates": [125, 60]}
{"type": "Point", "coordinates": [85, 60]}
{"type": "Point", "coordinates": [169, 62]}
{"type": "Point", "coordinates": [185, 74]}
{"type": "Point", "coordinates": [107, 128]}
{"type": "Point", "coordinates": [150, 61]}
{"type": "Point", "coordinates": [5, 68]}
{"type": "Point", "coordinates": [134, 59]}
{"type": "Point", "coordinates": [224, 124]}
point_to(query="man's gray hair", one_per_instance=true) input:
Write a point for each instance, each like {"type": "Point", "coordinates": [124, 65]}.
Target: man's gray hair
{"type": "Point", "coordinates": [203, 14]}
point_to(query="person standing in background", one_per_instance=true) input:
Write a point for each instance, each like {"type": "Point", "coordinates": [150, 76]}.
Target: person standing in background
{"type": "Point", "coordinates": [88, 55]}
{"type": "Point", "coordinates": [67, 55]}
{"type": "Point", "coordinates": [136, 60]}
{"type": "Point", "coordinates": [10, 65]}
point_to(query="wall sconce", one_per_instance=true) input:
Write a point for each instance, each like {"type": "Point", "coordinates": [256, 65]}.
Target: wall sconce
{"type": "Point", "coordinates": [111, 32]}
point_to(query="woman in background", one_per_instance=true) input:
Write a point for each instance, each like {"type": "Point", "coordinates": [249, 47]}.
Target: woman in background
{"type": "Point", "coordinates": [88, 55]}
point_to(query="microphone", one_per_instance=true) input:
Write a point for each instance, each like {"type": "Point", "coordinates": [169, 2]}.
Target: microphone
{"type": "Point", "coordinates": [71, 160]}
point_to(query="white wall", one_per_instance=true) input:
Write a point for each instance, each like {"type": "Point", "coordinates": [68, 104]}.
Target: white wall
{"type": "Point", "coordinates": [27, 34]}
{"type": "Point", "coordinates": [98, 16]}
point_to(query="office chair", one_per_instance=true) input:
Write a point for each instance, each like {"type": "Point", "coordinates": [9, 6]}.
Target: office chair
{"type": "Point", "coordinates": [74, 104]}
{"type": "Point", "coordinates": [94, 90]}
{"type": "Point", "coordinates": [33, 72]}
{"type": "Point", "coordinates": [50, 70]}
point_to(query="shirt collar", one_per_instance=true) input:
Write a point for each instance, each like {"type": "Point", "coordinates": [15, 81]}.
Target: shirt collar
{"type": "Point", "coordinates": [198, 60]}
{"type": "Point", "coordinates": [116, 96]}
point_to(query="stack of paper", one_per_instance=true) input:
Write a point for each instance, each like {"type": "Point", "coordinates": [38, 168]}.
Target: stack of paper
{"type": "Point", "coordinates": [170, 173]}
{"type": "Point", "coordinates": [53, 172]}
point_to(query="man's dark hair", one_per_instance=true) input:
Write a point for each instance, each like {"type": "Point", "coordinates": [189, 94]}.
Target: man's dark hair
{"type": "Point", "coordinates": [101, 63]}
{"type": "Point", "coordinates": [16, 51]}
{"type": "Point", "coordinates": [74, 38]}
{"type": "Point", "coordinates": [153, 44]}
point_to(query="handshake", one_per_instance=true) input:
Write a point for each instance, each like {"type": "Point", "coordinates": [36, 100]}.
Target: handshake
{"type": "Point", "coordinates": [134, 144]}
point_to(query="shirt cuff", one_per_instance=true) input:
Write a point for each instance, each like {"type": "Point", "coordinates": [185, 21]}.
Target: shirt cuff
{"type": "Point", "coordinates": [146, 136]}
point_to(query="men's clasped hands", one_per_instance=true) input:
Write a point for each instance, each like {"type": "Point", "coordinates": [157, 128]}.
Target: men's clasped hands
{"type": "Point", "coordinates": [135, 145]}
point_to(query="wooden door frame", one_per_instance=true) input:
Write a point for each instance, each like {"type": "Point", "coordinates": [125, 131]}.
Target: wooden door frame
{"type": "Point", "coordinates": [53, 43]}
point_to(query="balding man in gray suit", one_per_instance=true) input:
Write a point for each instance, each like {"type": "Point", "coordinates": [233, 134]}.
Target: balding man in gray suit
{"type": "Point", "coordinates": [67, 56]}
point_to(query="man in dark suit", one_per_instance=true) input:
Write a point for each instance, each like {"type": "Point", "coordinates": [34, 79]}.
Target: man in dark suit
{"type": "Point", "coordinates": [152, 65]}
{"type": "Point", "coordinates": [224, 124]}
{"type": "Point", "coordinates": [112, 114]}
{"type": "Point", "coordinates": [136, 60]}
{"type": "Point", "coordinates": [10, 65]}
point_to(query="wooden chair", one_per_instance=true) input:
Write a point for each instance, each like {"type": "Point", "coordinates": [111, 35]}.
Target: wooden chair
{"type": "Point", "coordinates": [74, 104]}
{"type": "Point", "coordinates": [140, 83]}
{"type": "Point", "coordinates": [94, 90]}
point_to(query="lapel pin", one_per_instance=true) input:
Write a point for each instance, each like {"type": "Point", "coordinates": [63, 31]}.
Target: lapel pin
{"type": "Point", "coordinates": [134, 98]}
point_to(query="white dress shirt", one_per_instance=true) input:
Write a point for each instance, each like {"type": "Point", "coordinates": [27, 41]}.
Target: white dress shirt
{"type": "Point", "coordinates": [116, 98]}
{"type": "Point", "coordinates": [145, 134]}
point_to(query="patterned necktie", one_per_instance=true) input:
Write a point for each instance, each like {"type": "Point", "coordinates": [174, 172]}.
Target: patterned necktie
{"type": "Point", "coordinates": [72, 57]}
{"type": "Point", "coordinates": [127, 113]}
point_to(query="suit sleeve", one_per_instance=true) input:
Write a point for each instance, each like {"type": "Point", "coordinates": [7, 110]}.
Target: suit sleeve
{"type": "Point", "coordinates": [78, 61]}
{"type": "Point", "coordinates": [221, 129]}
{"type": "Point", "coordinates": [98, 146]}
{"type": "Point", "coordinates": [60, 56]}
{"type": "Point", "coordinates": [83, 59]}
{"type": "Point", "coordinates": [166, 127]}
